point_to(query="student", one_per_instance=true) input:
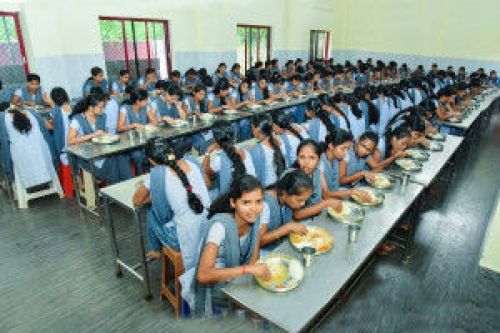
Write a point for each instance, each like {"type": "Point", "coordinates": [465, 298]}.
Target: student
{"type": "Point", "coordinates": [118, 88]}
{"type": "Point", "coordinates": [220, 73]}
{"type": "Point", "coordinates": [230, 246]}
{"type": "Point", "coordinates": [60, 116]}
{"type": "Point", "coordinates": [168, 105]}
{"type": "Point", "coordinates": [444, 110]}
{"type": "Point", "coordinates": [179, 201]}
{"type": "Point", "coordinates": [32, 94]}
{"type": "Point", "coordinates": [148, 81]}
{"type": "Point", "coordinates": [26, 147]}
{"type": "Point", "coordinates": [219, 99]}
{"type": "Point", "coordinates": [134, 116]}
{"type": "Point", "coordinates": [261, 90]}
{"type": "Point", "coordinates": [96, 79]}
{"type": "Point", "coordinates": [269, 154]}
{"type": "Point", "coordinates": [290, 134]}
{"type": "Point", "coordinates": [196, 104]}
{"type": "Point", "coordinates": [319, 123]}
{"type": "Point", "coordinates": [336, 148]}
{"type": "Point", "coordinates": [235, 76]}
{"type": "Point", "coordinates": [223, 162]}
{"type": "Point", "coordinates": [112, 108]}
{"type": "Point", "coordinates": [308, 160]}
{"type": "Point", "coordinates": [240, 98]}
{"type": "Point", "coordinates": [355, 168]}
{"type": "Point", "coordinates": [133, 112]}
{"type": "Point", "coordinates": [5, 95]}
{"type": "Point", "coordinates": [86, 122]}
{"type": "Point", "coordinates": [290, 193]}
{"type": "Point", "coordinates": [190, 79]}
{"type": "Point", "coordinates": [494, 79]}
{"type": "Point", "coordinates": [394, 144]}
{"type": "Point", "coordinates": [370, 114]}
{"type": "Point", "coordinates": [338, 107]}
{"type": "Point", "coordinates": [175, 78]}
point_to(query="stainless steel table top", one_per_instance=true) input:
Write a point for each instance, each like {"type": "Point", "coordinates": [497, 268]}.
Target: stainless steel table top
{"type": "Point", "coordinates": [123, 192]}
{"type": "Point", "coordinates": [294, 310]}
{"type": "Point", "coordinates": [431, 167]}
{"type": "Point", "coordinates": [474, 114]}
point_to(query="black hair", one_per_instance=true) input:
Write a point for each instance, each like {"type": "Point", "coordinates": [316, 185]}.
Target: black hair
{"type": "Point", "coordinates": [202, 72]}
{"type": "Point", "coordinates": [86, 102]}
{"type": "Point", "coordinates": [341, 136]}
{"type": "Point", "coordinates": [59, 96]}
{"type": "Point", "coordinates": [32, 77]}
{"type": "Point", "coordinates": [398, 132]}
{"type": "Point", "coordinates": [124, 72]}
{"type": "Point", "coordinates": [94, 71]}
{"type": "Point", "coordinates": [190, 71]}
{"type": "Point", "coordinates": [265, 91]}
{"type": "Point", "coordinates": [258, 64]}
{"type": "Point", "coordinates": [324, 117]}
{"type": "Point", "coordinates": [162, 151]}
{"type": "Point", "coordinates": [149, 70]}
{"type": "Point", "coordinates": [318, 149]}
{"type": "Point", "coordinates": [373, 113]}
{"type": "Point", "coordinates": [162, 85]}
{"type": "Point", "coordinates": [293, 183]}
{"type": "Point", "coordinates": [285, 121]}
{"type": "Point", "coordinates": [369, 135]}
{"type": "Point", "coordinates": [175, 90]}
{"type": "Point", "coordinates": [20, 121]}
{"type": "Point", "coordinates": [175, 73]}
{"type": "Point", "coordinates": [219, 66]}
{"type": "Point", "coordinates": [239, 186]}
{"type": "Point", "coordinates": [222, 84]}
{"type": "Point", "coordinates": [235, 65]}
{"type": "Point", "coordinates": [265, 124]}
{"type": "Point", "coordinates": [135, 97]}
{"type": "Point", "coordinates": [224, 137]}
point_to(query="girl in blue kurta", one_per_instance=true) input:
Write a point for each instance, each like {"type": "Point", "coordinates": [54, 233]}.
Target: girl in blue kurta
{"type": "Point", "coordinates": [148, 81]}
{"type": "Point", "coordinates": [196, 104]}
{"type": "Point", "coordinates": [269, 154]}
{"type": "Point", "coordinates": [241, 98]}
{"type": "Point", "coordinates": [134, 116]}
{"type": "Point", "coordinates": [96, 79]}
{"type": "Point", "coordinates": [168, 105]}
{"type": "Point", "coordinates": [61, 113]}
{"type": "Point", "coordinates": [219, 99]}
{"type": "Point", "coordinates": [229, 246]}
{"type": "Point", "coordinates": [223, 162]}
{"type": "Point", "coordinates": [179, 201]}
{"type": "Point", "coordinates": [288, 194]}
{"type": "Point", "coordinates": [354, 167]}
{"type": "Point", "coordinates": [370, 114]}
{"type": "Point", "coordinates": [5, 95]}
{"type": "Point", "coordinates": [32, 94]}
{"type": "Point", "coordinates": [87, 121]}
{"type": "Point", "coordinates": [26, 149]}
{"type": "Point", "coordinates": [118, 88]}
{"type": "Point", "coordinates": [308, 160]}
{"type": "Point", "coordinates": [290, 134]}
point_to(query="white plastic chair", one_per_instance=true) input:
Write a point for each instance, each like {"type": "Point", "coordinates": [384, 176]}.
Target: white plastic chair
{"type": "Point", "coordinates": [22, 195]}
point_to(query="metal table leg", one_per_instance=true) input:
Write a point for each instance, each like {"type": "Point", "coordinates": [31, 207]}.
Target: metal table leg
{"type": "Point", "coordinates": [145, 281]}
{"type": "Point", "coordinates": [112, 236]}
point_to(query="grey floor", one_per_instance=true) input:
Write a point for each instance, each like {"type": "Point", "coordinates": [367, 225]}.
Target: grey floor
{"type": "Point", "coordinates": [56, 273]}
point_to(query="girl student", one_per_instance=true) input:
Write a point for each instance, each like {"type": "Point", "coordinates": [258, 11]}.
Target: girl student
{"type": "Point", "coordinates": [96, 79]}
{"type": "Point", "coordinates": [87, 121]}
{"type": "Point", "coordinates": [288, 194]}
{"type": "Point", "coordinates": [367, 119]}
{"type": "Point", "coordinates": [196, 104]}
{"type": "Point", "coordinates": [134, 116]}
{"type": "Point", "coordinates": [308, 158]}
{"type": "Point", "coordinates": [230, 246]}
{"type": "Point", "coordinates": [118, 87]}
{"type": "Point", "coordinates": [223, 162]}
{"type": "Point", "coordinates": [168, 106]}
{"type": "Point", "coordinates": [290, 134]}
{"type": "Point", "coordinates": [354, 167]}
{"type": "Point", "coordinates": [218, 100]}
{"type": "Point", "coordinates": [268, 155]}
{"type": "Point", "coordinates": [179, 200]}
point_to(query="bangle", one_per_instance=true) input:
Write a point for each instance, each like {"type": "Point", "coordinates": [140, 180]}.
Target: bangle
{"type": "Point", "coordinates": [244, 268]}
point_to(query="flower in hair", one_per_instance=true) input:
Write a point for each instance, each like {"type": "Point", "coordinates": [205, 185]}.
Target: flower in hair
{"type": "Point", "coordinates": [170, 157]}
{"type": "Point", "coordinates": [189, 188]}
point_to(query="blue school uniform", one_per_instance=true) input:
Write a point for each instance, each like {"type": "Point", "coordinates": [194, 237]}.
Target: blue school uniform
{"type": "Point", "coordinates": [358, 125]}
{"type": "Point", "coordinates": [330, 171]}
{"type": "Point", "coordinates": [25, 96]}
{"type": "Point", "coordinates": [355, 164]}
{"type": "Point", "coordinates": [149, 87]}
{"type": "Point", "coordinates": [5, 96]}
{"type": "Point", "coordinates": [164, 110]}
{"type": "Point", "coordinates": [244, 125]}
{"type": "Point", "coordinates": [112, 169]}
{"type": "Point", "coordinates": [201, 141]}
{"type": "Point", "coordinates": [171, 222]}
{"type": "Point", "coordinates": [116, 86]}
{"type": "Point", "coordinates": [137, 156]}
{"type": "Point", "coordinates": [89, 84]}
{"type": "Point", "coordinates": [385, 114]}
{"type": "Point", "coordinates": [495, 81]}
{"type": "Point", "coordinates": [263, 160]}
{"type": "Point", "coordinates": [27, 171]}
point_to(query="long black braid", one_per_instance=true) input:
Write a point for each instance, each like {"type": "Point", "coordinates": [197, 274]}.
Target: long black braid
{"type": "Point", "coordinates": [224, 136]}
{"type": "Point", "coordinates": [285, 121]}
{"type": "Point", "coordinates": [265, 124]}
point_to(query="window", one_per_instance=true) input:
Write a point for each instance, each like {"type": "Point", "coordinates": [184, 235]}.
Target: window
{"type": "Point", "coordinates": [254, 44]}
{"type": "Point", "coordinates": [13, 63]}
{"type": "Point", "coordinates": [135, 44]}
{"type": "Point", "coordinates": [320, 45]}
